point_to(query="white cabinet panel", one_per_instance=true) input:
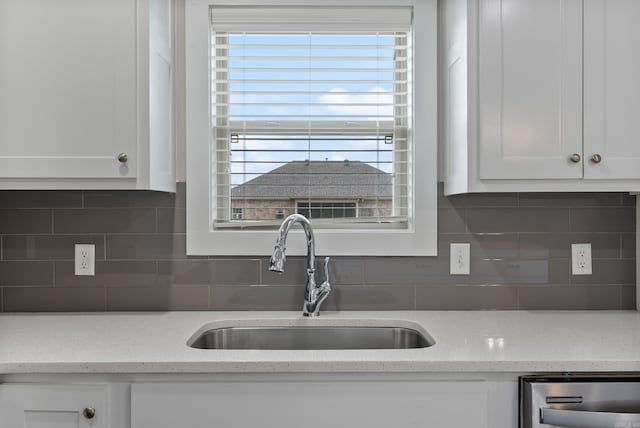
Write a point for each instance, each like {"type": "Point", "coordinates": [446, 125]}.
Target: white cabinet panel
{"type": "Point", "coordinates": [68, 88]}
{"type": "Point", "coordinates": [530, 88]}
{"type": "Point", "coordinates": [313, 404]}
{"type": "Point", "coordinates": [531, 84]}
{"type": "Point", "coordinates": [80, 84]}
{"type": "Point", "coordinates": [52, 406]}
{"type": "Point", "coordinates": [612, 89]}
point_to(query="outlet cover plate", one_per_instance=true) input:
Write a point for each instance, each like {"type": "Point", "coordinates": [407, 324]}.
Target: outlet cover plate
{"type": "Point", "coordinates": [460, 259]}
{"type": "Point", "coordinates": [85, 259]}
{"type": "Point", "coordinates": [581, 259]}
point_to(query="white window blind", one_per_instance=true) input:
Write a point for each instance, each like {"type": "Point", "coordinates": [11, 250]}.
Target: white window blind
{"type": "Point", "coordinates": [311, 114]}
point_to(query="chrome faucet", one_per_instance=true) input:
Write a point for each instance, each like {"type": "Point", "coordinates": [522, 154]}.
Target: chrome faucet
{"type": "Point", "coordinates": [314, 294]}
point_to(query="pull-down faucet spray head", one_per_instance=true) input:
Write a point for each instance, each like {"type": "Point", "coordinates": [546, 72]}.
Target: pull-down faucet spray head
{"type": "Point", "coordinates": [277, 259]}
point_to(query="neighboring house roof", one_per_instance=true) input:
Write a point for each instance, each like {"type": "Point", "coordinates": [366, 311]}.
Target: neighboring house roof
{"type": "Point", "coordinates": [318, 180]}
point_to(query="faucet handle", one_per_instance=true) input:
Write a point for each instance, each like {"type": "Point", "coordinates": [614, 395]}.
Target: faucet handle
{"type": "Point", "coordinates": [326, 270]}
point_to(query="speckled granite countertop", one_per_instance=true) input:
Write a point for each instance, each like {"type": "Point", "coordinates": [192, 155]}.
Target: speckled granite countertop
{"type": "Point", "coordinates": [466, 341]}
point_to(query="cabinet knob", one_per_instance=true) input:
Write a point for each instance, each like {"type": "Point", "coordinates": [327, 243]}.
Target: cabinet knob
{"type": "Point", "coordinates": [89, 412]}
{"type": "Point", "coordinates": [122, 158]}
{"type": "Point", "coordinates": [596, 158]}
{"type": "Point", "coordinates": [575, 158]}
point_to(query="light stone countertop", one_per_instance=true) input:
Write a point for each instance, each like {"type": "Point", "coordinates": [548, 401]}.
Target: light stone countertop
{"type": "Point", "coordinates": [466, 341]}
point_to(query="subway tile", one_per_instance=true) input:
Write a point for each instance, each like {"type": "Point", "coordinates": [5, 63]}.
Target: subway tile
{"type": "Point", "coordinates": [107, 220]}
{"type": "Point", "coordinates": [146, 247]}
{"type": "Point", "coordinates": [53, 299]}
{"type": "Point", "coordinates": [16, 221]}
{"type": "Point", "coordinates": [342, 270]}
{"type": "Point", "coordinates": [48, 247]}
{"type": "Point", "coordinates": [405, 270]}
{"type": "Point", "coordinates": [628, 297]}
{"type": "Point", "coordinates": [466, 297]}
{"type": "Point", "coordinates": [110, 273]}
{"type": "Point", "coordinates": [128, 199]}
{"type": "Point", "coordinates": [628, 246]}
{"type": "Point", "coordinates": [627, 200]}
{"type": "Point", "coordinates": [519, 271]}
{"type": "Point", "coordinates": [478, 200]}
{"type": "Point", "coordinates": [558, 245]}
{"type": "Point", "coordinates": [189, 298]}
{"type": "Point", "coordinates": [483, 246]}
{"type": "Point", "coordinates": [26, 273]}
{"type": "Point", "coordinates": [172, 220]}
{"type": "Point", "coordinates": [370, 298]}
{"type": "Point", "coordinates": [257, 297]}
{"type": "Point", "coordinates": [578, 199]}
{"type": "Point", "coordinates": [603, 219]}
{"type": "Point", "coordinates": [217, 271]}
{"type": "Point", "coordinates": [181, 194]}
{"type": "Point", "coordinates": [40, 199]}
{"type": "Point", "coordinates": [568, 297]}
{"type": "Point", "coordinates": [609, 272]}
{"type": "Point", "coordinates": [452, 220]}
{"type": "Point", "coordinates": [485, 220]}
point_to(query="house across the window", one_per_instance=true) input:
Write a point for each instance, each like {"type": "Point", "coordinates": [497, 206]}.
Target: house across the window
{"type": "Point", "coordinates": [316, 189]}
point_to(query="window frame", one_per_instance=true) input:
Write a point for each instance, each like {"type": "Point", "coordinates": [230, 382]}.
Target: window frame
{"type": "Point", "coordinates": [419, 239]}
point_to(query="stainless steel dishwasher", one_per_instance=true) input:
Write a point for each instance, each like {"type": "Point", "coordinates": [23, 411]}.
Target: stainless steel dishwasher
{"type": "Point", "coordinates": [580, 401]}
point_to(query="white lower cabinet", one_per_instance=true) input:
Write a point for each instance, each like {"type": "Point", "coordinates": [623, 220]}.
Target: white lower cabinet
{"type": "Point", "coordinates": [53, 406]}
{"type": "Point", "coordinates": [278, 400]}
{"type": "Point", "coordinates": [313, 404]}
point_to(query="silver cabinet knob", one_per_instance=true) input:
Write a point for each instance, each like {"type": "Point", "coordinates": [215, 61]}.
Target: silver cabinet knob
{"type": "Point", "coordinates": [122, 157]}
{"type": "Point", "coordinates": [575, 158]}
{"type": "Point", "coordinates": [89, 412]}
{"type": "Point", "coordinates": [596, 158]}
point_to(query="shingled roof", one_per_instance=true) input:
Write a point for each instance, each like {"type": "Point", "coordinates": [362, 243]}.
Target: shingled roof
{"type": "Point", "coordinates": [318, 180]}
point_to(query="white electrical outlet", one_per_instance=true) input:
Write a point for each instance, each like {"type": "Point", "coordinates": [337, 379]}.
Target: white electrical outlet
{"type": "Point", "coordinates": [581, 259]}
{"type": "Point", "coordinates": [85, 259]}
{"type": "Point", "coordinates": [460, 259]}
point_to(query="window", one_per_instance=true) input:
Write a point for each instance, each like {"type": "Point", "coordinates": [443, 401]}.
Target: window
{"type": "Point", "coordinates": [315, 115]}
{"type": "Point", "coordinates": [314, 210]}
{"type": "Point", "coordinates": [313, 110]}
{"type": "Point", "coordinates": [237, 213]}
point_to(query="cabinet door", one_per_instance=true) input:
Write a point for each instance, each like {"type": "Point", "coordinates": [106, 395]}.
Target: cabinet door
{"type": "Point", "coordinates": [313, 404]}
{"type": "Point", "coordinates": [612, 88]}
{"type": "Point", "coordinates": [530, 88]}
{"type": "Point", "coordinates": [67, 79]}
{"type": "Point", "coordinates": [52, 406]}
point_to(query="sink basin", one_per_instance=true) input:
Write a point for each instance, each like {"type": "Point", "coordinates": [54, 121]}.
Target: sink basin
{"type": "Point", "coordinates": [311, 337]}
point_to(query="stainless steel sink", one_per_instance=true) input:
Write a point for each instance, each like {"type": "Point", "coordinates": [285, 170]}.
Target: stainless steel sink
{"type": "Point", "coordinates": [311, 337]}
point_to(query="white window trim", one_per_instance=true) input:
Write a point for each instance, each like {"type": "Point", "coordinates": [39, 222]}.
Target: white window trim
{"type": "Point", "coordinates": [421, 237]}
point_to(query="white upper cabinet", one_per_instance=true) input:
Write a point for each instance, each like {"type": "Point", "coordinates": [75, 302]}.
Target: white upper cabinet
{"type": "Point", "coordinates": [530, 89]}
{"type": "Point", "coordinates": [612, 89]}
{"type": "Point", "coordinates": [541, 95]}
{"type": "Point", "coordinates": [85, 84]}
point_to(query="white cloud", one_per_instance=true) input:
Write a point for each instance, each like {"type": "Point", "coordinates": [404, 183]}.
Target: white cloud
{"type": "Point", "coordinates": [342, 102]}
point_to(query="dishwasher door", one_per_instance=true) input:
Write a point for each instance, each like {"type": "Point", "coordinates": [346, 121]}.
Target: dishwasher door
{"type": "Point", "coordinates": [580, 401]}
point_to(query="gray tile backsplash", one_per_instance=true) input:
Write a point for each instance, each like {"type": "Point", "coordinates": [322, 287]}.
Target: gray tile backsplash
{"type": "Point", "coordinates": [520, 251]}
